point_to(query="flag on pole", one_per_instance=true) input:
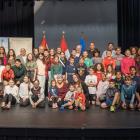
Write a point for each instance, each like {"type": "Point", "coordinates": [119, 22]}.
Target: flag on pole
{"type": "Point", "coordinates": [44, 42]}
{"type": "Point", "coordinates": [64, 46]}
{"type": "Point", "coordinates": [82, 43]}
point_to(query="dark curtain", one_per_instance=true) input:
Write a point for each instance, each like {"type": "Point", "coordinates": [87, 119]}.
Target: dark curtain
{"type": "Point", "coordinates": [128, 23]}
{"type": "Point", "coordinates": [17, 18]}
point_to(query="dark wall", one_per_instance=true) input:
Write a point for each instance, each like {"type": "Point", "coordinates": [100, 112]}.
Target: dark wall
{"type": "Point", "coordinates": [96, 18]}
{"type": "Point", "coordinates": [16, 18]}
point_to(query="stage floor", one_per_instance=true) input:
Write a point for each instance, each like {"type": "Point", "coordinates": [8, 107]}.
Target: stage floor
{"type": "Point", "coordinates": [93, 118]}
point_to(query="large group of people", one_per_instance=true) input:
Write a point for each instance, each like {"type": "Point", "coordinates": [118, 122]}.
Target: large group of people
{"type": "Point", "coordinates": [85, 79]}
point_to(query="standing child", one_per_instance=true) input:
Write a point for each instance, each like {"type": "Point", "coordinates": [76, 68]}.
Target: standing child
{"type": "Point", "coordinates": [91, 82]}
{"type": "Point", "coordinates": [53, 95]}
{"type": "Point", "coordinates": [112, 96]}
{"type": "Point", "coordinates": [128, 92]}
{"type": "Point", "coordinates": [69, 98]}
{"type": "Point", "coordinates": [80, 99]}
{"type": "Point", "coordinates": [11, 96]}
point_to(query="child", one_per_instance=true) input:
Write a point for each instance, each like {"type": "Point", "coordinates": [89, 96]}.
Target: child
{"type": "Point", "coordinates": [80, 99]}
{"type": "Point", "coordinates": [1, 69]}
{"type": "Point", "coordinates": [112, 96]}
{"type": "Point", "coordinates": [24, 90]}
{"type": "Point", "coordinates": [69, 98]}
{"type": "Point", "coordinates": [91, 82]}
{"type": "Point", "coordinates": [128, 93]}
{"type": "Point", "coordinates": [37, 95]}
{"type": "Point", "coordinates": [11, 95]}
{"type": "Point", "coordinates": [70, 70]}
{"type": "Point", "coordinates": [110, 73]}
{"type": "Point", "coordinates": [101, 88]}
{"type": "Point", "coordinates": [53, 93]}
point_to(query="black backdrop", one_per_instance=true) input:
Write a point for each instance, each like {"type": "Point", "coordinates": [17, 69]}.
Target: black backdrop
{"type": "Point", "coordinates": [128, 23]}
{"type": "Point", "coordinates": [16, 18]}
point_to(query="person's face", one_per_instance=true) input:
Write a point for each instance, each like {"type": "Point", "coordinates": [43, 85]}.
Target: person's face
{"type": "Point", "coordinates": [53, 84]}
{"type": "Point", "coordinates": [62, 55]}
{"type": "Point", "coordinates": [18, 64]}
{"type": "Point", "coordinates": [91, 46]}
{"type": "Point", "coordinates": [26, 79]}
{"type": "Point", "coordinates": [41, 50]}
{"type": "Point", "coordinates": [71, 88]}
{"type": "Point", "coordinates": [78, 49]}
{"type": "Point", "coordinates": [96, 54]}
{"type": "Point", "coordinates": [133, 71]}
{"type": "Point", "coordinates": [41, 57]}
{"type": "Point", "coordinates": [7, 67]}
{"type": "Point", "coordinates": [79, 90]}
{"type": "Point", "coordinates": [85, 54]}
{"type": "Point", "coordinates": [71, 61]}
{"type": "Point", "coordinates": [111, 84]}
{"type": "Point", "coordinates": [118, 75]}
{"type": "Point", "coordinates": [138, 51]}
{"type": "Point", "coordinates": [109, 68]}
{"type": "Point", "coordinates": [51, 52]}
{"type": "Point", "coordinates": [36, 51]}
{"type": "Point", "coordinates": [58, 50]}
{"type": "Point", "coordinates": [118, 51]}
{"type": "Point", "coordinates": [127, 53]}
{"type": "Point", "coordinates": [103, 77]}
{"type": "Point", "coordinates": [1, 50]}
{"type": "Point", "coordinates": [81, 61]}
{"type": "Point", "coordinates": [75, 78]}
{"type": "Point", "coordinates": [11, 83]}
{"type": "Point", "coordinates": [11, 53]}
{"type": "Point", "coordinates": [108, 53]}
{"type": "Point", "coordinates": [36, 84]}
{"type": "Point", "coordinates": [110, 47]}
{"type": "Point", "coordinates": [128, 82]}
{"type": "Point", "coordinates": [30, 57]}
{"type": "Point", "coordinates": [133, 51]}
{"type": "Point", "coordinates": [91, 71]}
{"type": "Point", "coordinates": [81, 72]}
{"type": "Point", "coordinates": [46, 53]}
{"type": "Point", "coordinates": [23, 52]}
{"type": "Point", "coordinates": [56, 59]}
{"type": "Point", "coordinates": [60, 80]}
{"type": "Point", "coordinates": [99, 67]}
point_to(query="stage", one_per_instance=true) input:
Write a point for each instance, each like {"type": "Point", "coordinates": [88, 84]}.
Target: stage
{"type": "Point", "coordinates": [95, 123]}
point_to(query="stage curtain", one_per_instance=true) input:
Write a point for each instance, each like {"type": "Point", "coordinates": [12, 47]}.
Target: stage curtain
{"type": "Point", "coordinates": [128, 23]}
{"type": "Point", "coordinates": [17, 18]}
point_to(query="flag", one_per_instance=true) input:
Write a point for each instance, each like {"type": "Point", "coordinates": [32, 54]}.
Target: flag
{"type": "Point", "coordinates": [64, 46]}
{"type": "Point", "coordinates": [82, 43]}
{"type": "Point", "coordinates": [44, 42]}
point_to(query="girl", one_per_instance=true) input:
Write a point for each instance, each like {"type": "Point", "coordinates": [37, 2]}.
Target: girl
{"type": "Point", "coordinates": [11, 57]}
{"type": "Point", "coordinates": [101, 89]}
{"type": "Point", "coordinates": [1, 69]}
{"type": "Point", "coordinates": [80, 99]}
{"type": "Point", "coordinates": [37, 95]}
{"type": "Point", "coordinates": [11, 96]}
{"type": "Point", "coordinates": [41, 70]}
{"type": "Point", "coordinates": [96, 57]}
{"type": "Point", "coordinates": [133, 50]}
{"type": "Point", "coordinates": [56, 68]}
{"type": "Point", "coordinates": [31, 67]}
{"type": "Point", "coordinates": [128, 92]}
{"type": "Point", "coordinates": [110, 72]}
{"type": "Point", "coordinates": [53, 93]}
{"type": "Point", "coordinates": [91, 82]}
{"type": "Point", "coordinates": [127, 62]}
{"type": "Point", "coordinates": [137, 60]}
{"type": "Point", "coordinates": [3, 55]}
{"type": "Point", "coordinates": [24, 90]}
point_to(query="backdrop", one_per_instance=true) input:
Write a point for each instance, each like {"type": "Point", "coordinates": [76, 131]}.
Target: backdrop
{"type": "Point", "coordinates": [97, 19]}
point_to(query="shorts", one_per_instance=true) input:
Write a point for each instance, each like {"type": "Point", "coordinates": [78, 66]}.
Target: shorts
{"type": "Point", "coordinates": [92, 97]}
{"type": "Point", "coordinates": [109, 101]}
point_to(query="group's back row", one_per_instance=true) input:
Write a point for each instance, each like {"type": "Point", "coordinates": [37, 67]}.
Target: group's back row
{"type": "Point", "coordinates": [74, 83]}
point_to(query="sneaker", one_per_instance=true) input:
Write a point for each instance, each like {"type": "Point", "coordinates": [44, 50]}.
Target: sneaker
{"type": "Point", "coordinates": [112, 109]}
{"type": "Point", "coordinates": [62, 107]}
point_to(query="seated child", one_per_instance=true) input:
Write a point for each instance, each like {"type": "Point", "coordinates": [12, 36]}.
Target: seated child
{"type": "Point", "coordinates": [11, 96]}
{"type": "Point", "coordinates": [69, 98]}
{"type": "Point", "coordinates": [80, 99]}
{"type": "Point", "coordinates": [112, 96]}
{"type": "Point", "coordinates": [101, 89]}
{"type": "Point", "coordinates": [91, 82]}
{"type": "Point", "coordinates": [53, 95]}
{"type": "Point", "coordinates": [128, 92]}
{"type": "Point", "coordinates": [24, 90]}
{"type": "Point", "coordinates": [37, 95]}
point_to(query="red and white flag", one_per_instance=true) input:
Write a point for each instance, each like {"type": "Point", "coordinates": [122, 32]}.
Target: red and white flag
{"type": "Point", "coordinates": [64, 46]}
{"type": "Point", "coordinates": [44, 42]}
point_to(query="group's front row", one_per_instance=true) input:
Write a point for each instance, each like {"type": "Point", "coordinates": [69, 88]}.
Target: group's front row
{"type": "Point", "coordinates": [73, 96]}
